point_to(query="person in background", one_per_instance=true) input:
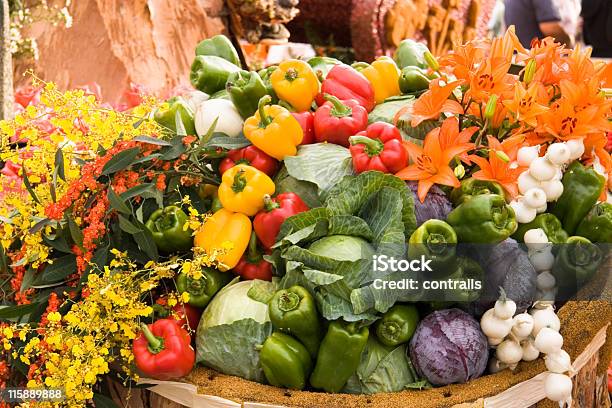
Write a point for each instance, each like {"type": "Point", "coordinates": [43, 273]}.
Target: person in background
{"type": "Point", "coordinates": [569, 10]}
{"type": "Point", "coordinates": [536, 19]}
{"type": "Point", "coordinates": [496, 26]}
{"type": "Point", "coordinates": [597, 26]}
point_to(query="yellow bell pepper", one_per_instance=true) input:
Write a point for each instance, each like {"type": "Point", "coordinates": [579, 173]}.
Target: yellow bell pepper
{"type": "Point", "coordinates": [228, 234]}
{"type": "Point", "coordinates": [384, 75]}
{"type": "Point", "coordinates": [243, 189]}
{"type": "Point", "coordinates": [273, 130]}
{"type": "Point", "coordinates": [295, 82]}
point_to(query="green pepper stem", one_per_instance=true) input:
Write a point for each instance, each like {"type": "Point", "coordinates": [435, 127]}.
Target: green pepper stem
{"type": "Point", "coordinates": [270, 204]}
{"type": "Point", "coordinates": [339, 109]}
{"type": "Point", "coordinates": [373, 147]}
{"type": "Point", "coordinates": [264, 119]}
{"type": "Point", "coordinates": [288, 301]}
{"type": "Point", "coordinates": [240, 182]}
{"type": "Point", "coordinates": [166, 220]}
{"type": "Point", "coordinates": [253, 255]}
{"type": "Point", "coordinates": [156, 344]}
{"type": "Point", "coordinates": [291, 74]}
{"type": "Point", "coordinates": [390, 330]}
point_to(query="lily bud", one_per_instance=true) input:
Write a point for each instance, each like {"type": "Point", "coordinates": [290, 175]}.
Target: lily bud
{"type": "Point", "coordinates": [530, 71]}
{"type": "Point", "coordinates": [490, 108]}
{"type": "Point", "coordinates": [459, 171]}
{"type": "Point", "coordinates": [502, 155]}
{"type": "Point", "coordinates": [432, 62]}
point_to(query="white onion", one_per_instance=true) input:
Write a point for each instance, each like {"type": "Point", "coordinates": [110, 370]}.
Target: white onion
{"type": "Point", "coordinates": [558, 387]}
{"type": "Point", "coordinates": [542, 170]}
{"type": "Point", "coordinates": [228, 119]}
{"type": "Point", "coordinates": [509, 352]}
{"type": "Point", "coordinates": [553, 189]}
{"type": "Point", "coordinates": [548, 341]}
{"type": "Point", "coordinates": [526, 182]}
{"type": "Point", "coordinates": [504, 309]}
{"type": "Point", "coordinates": [576, 147]}
{"type": "Point", "coordinates": [523, 213]}
{"type": "Point", "coordinates": [494, 327]}
{"type": "Point", "coordinates": [535, 197]}
{"type": "Point", "coordinates": [536, 239]}
{"type": "Point", "coordinates": [527, 154]}
{"type": "Point", "coordinates": [495, 366]}
{"type": "Point", "coordinates": [545, 281]}
{"type": "Point", "coordinates": [544, 318]}
{"type": "Point", "coordinates": [494, 341]}
{"type": "Point", "coordinates": [558, 362]}
{"type": "Point", "coordinates": [558, 153]}
{"type": "Point", "coordinates": [530, 352]}
{"type": "Point", "coordinates": [522, 325]}
{"type": "Point", "coordinates": [542, 259]}
{"type": "Point", "coordinates": [542, 209]}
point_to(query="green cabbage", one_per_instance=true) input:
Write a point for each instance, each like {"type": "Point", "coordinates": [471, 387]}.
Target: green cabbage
{"type": "Point", "coordinates": [342, 248]}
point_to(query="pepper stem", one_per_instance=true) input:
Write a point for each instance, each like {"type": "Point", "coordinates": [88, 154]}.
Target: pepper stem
{"type": "Point", "coordinates": [291, 74]}
{"type": "Point", "coordinates": [288, 301]}
{"type": "Point", "coordinates": [156, 344]}
{"type": "Point", "coordinates": [373, 147]}
{"type": "Point", "coordinates": [390, 330]}
{"type": "Point", "coordinates": [166, 220]}
{"type": "Point", "coordinates": [253, 257]}
{"type": "Point", "coordinates": [264, 119]}
{"type": "Point", "coordinates": [269, 203]}
{"type": "Point", "coordinates": [240, 182]}
{"type": "Point", "coordinates": [339, 109]}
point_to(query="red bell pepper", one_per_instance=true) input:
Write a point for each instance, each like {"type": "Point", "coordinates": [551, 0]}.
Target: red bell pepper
{"type": "Point", "coordinates": [252, 265]}
{"type": "Point", "coordinates": [380, 148]}
{"type": "Point", "coordinates": [345, 82]}
{"type": "Point", "coordinates": [163, 350]}
{"type": "Point", "coordinates": [306, 121]}
{"type": "Point", "coordinates": [250, 156]}
{"type": "Point", "coordinates": [188, 315]}
{"type": "Point", "coordinates": [335, 121]}
{"type": "Point", "coordinates": [276, 210]}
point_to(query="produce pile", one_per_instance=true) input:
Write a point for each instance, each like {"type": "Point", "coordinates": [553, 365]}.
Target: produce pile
{"type": "Point", "coordinates": [238, 225]}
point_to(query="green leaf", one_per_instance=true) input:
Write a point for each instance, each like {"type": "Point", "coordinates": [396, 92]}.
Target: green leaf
{"type": "Point", "coordinates": [28, 186]}
{"type": "Point", "coordinates": [245, 335]}
{"type": "Point", "coordinates": [120, 161]}
{"type": "Point", "coordinates": [152, 140]}
{"type": "Point", "coordinates": [321, 278]}
{"type": "Point", "coordinates": [102, 401]}
{"type": "Point", "coordinates": [225, 142]}
{"type": "Point", "coordinates": [127, 226]}
{"type": "Point", "coordinates": [148, 158]}
{"type": "Point", "coordinates": [180, 126]}
{"type": "Point", "coordinates": [40, 225]}
{"type": "Point", "coordinates": [117, 203]}
{"type": "Point", "coordinates": [302, 220]}
{"type": "Point", "coordinates": [145, 242]}
{"type": "Point", "coordinates": [136, 191]}
{"type": "Point", "coordinates": [308, 192]}
{"type": "Point", "coordinates": [57, 271]}
{"type": "Point", "coordinates": [59, 164]}
{"type": "Point", "coordinates": [3, 260]}
{"type": "Point", "coordinates": [139, 122]}
{"type": "Point", "coordinates": [204, 139]}
{"type": "Point", "coordinates": [59, 243]}
{"type": "Point", "coordinates": [262, 291]}
{"type": "Point", "coordinates": [175, 150]}
{"type": "Point", "coordinates": [11, 312]}
{"type": "Point", "coordinates": [350, 225]}
{"type": "Point", "coordinates": [323, 164]}
{"type": "Point", "coordinates": [28, 278]}
{"type": "Point", "coordinates": [75, 231]}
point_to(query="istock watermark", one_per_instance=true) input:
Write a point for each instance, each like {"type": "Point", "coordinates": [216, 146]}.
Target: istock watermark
{"type": "Point", "coordinates": [384, 263]}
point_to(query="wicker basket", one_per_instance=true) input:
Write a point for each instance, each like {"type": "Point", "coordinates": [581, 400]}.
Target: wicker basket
{"type": "Point", "coordinates": [585, 326]}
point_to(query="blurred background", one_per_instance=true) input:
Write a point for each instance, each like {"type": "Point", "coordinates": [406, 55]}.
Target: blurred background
{"type": "Point", "coordinates": [121, 49]}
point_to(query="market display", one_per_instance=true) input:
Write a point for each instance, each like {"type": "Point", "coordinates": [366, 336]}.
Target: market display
{"type": "Point", "coordinates": [246, 224]}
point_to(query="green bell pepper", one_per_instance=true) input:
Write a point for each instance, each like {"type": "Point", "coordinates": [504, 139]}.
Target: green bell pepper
{"type": "Point", "coordinates": [167, 116]}
{"type": "Point", "coordinates": [410, 53]}
{"type": "Point", "coordinates": [285, 361]}
{"type": "Point", "coordinates": [294, 311]}
{"type": "Point", "coordinates": [339, 355]}
{"type": "Point", "coordinates": [202, 290]}
{"type": "Point", "coordinates": [245, 89]}
{"type": "Point", "coordinates": [219, 46]}
{"type": "Point", "coordinates": [576, 262]}
{"type": "Point", "coordinates": [485, 219]}
{"type": "Point", "coordinates": [548, 223]}
{"type": "Point", "coordinates": [167, 227]}
{"type": "Point", "coordinates": [597, 226]}
{"type": "Point", "coordinates": [222, 94]}
{"type": "Point", "coordinates": [471, 187]}
{"type": "Point", "coordinates": [465, 269]}
{"type": "Point", "coordinates": [397, 325]}
{"type": "Point", "coordinates": [322, 65]}
{"type": "Point", "coordinates": [209, 73]}
{"type": "Point", "coordinates": [413, 79]}
{"type": "Point", "coordinates": [436, 240]}
{"type": "Point", "coordinates": [582, 187]}
{"type": "Point", "coordinates": [265, 74]}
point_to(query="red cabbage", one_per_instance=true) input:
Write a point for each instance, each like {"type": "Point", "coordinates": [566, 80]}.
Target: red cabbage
{"type": "Point", "coordinates": [436, 204]}
{"type": "Point", "coordinates": [449, 347]}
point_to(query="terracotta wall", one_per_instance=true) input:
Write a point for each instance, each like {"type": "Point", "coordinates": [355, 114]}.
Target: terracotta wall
{"type": "Point", "coordinates": [113, 42]}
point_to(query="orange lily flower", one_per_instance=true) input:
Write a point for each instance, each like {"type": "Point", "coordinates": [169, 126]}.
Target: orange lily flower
{"type": "Point", "coordinates": [564, 122]}
{"type": "Point", "coordinates": [431, 162]}
{"type": "Point", "coordinates": [580, 66]}
{"type": "Point", "coordinates": [450, 137]}
{"type": "Point", "coordinates": [490, 78]}
{"type": "Point", "coordinates": [524, 106]}
{"type": "Point", "coordinates": [463, 59]}
{"type": "Point", "coordinates": [433, 102]}
{"type": "Point", "coordinates": [498, 170]}
{"type": "Point", "coordinates": [502, 49]}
